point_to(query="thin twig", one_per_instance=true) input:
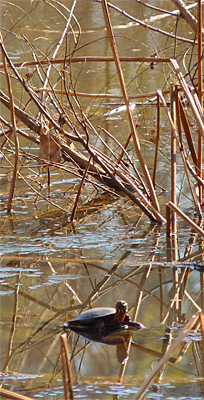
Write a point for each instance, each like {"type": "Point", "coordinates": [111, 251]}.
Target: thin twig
{"type": "Point", "coordinates": [14, 127]}
{"type": "Point", "coordinates": [79, 190]}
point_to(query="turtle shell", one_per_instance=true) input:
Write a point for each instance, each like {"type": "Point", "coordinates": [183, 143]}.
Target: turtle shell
{"type": "Point", "coordinates": [93, 317]}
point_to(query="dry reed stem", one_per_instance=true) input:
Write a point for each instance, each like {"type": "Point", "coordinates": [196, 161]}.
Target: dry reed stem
{"type": "Point", "coordinates": [202, 333]}
{"type": "Point", "coordinates": [176, 281]}
{"type": "Point", "coordinates": [13, 326]}
{"type": "Point", "coordinates": [161, 292]}
{"type": "Point", "coordinates": [200, 91]}
{"type": "Point", "coordinates": [80, 189]}
{"type": "Point", "coordinates": [182, 152]}
{"type": "Point", "coordinates": [167, 355]}
{"type": "Point", "coordinates": [14, 128]}
{"type": "Point", "coordinates": [187, 132]}
{"type": "Point", "coordinates": [63, 369]}
{"type": "Point", "coordinates": [173, 155]}
{"type": "Point", "coordinates": [181, 146]}
{"type": "Point", "coordinates": [189, 96]}
{"type": "Point", "coordinates": [66, 368]}
{"type": "Point", "coordinates": [186, 218]}
{"type": "Point", "coordinates": [102, 95]}
{"type": "Point", "coordinates": [168, 221]}
{"type": "Point", "coordinates": [12, 395]}
{"type": "Point", "coordinates": [202, 292]}
{"type": "Point", "coordinates": [89, 59]}
{"type": "Point", "coordinates": [171, 225]}
{"type": "Point", "coordinates": [129, 112]}
{"type": "Point", "coordinates": [157, 142]}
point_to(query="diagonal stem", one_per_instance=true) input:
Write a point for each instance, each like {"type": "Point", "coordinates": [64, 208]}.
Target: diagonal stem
{"type": "Point", "coordinates": [126, 99]}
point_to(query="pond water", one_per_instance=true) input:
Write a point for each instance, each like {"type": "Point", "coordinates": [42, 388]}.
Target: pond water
{"type": "Point", "coordinates": [51, 268]}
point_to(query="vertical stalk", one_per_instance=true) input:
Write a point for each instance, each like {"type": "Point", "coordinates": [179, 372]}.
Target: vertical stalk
{"type": "Point", "coordinates": [188, 134]}
{"type": "Point", "coordinates": [173, 158]}
{"type": "Point", "coordinates": [129, 112]}
{"type": "Point", "coordinates": [168, 221]}
{"type": "Point", "coordinates": [200, 91]}
{"type": "Point", "coordinates": [66, 363]}
{"type": "Point", "coordinates": [160, 292]}
{"type": "Point", "coordinates": [13, 326]}
{"type": "Point", "coordinates": [202, 333]}
{"type": "Point", "coordinates": [79, 190]}
{"type": "Point", "coordinates": [13, 120]}
{"type": "Point", "coordinates": [157, 141]}
{"type": "Point", "coordinates": [200, 139]}
{"type": "Point", "coordinates": [173, 199]}
{"type": "Point", "coordinates": [183, 156]}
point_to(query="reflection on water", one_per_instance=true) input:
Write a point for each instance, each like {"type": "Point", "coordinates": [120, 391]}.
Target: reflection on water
{"type": "Point", "coordinates": [53, 269]}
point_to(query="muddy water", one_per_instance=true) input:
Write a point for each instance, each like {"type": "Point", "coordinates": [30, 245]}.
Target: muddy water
{"type": "Point", "coordinates": [50, 268]}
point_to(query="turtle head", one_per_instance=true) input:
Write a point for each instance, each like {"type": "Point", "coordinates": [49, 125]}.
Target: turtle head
{"type": "Point", "coordinates": [121, 310]}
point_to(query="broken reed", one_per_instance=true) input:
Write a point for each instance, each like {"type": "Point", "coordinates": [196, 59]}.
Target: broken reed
{"type": "Point", "coordinates": [66, 368]}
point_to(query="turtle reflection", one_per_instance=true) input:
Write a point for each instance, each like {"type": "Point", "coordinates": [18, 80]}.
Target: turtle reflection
{"type": "Point", "coordinates": [106, 325]}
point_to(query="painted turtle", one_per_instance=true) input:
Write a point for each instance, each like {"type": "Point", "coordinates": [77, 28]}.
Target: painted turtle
{"type": "Point", "coordinates": [103, 320]}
